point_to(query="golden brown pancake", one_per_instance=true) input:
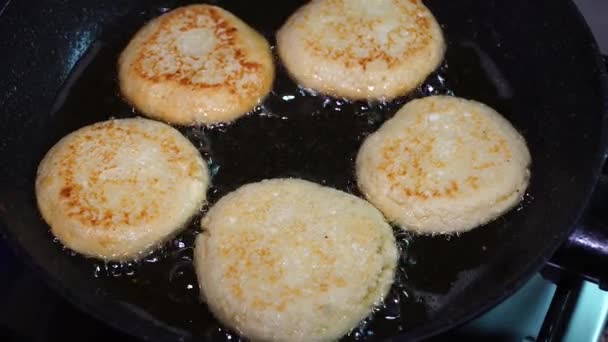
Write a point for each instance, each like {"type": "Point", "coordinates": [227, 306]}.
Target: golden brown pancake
{"type": "Point", "coordinates": [361, 49]}
{"type": "Point", "coordinates": [196, 64]}
{"type": "Point", "coordinates": [444, 164]}
{"type": "Point", "coordinates": [117, 189]}
{"type": "Point", "coordinates": [290, 260]}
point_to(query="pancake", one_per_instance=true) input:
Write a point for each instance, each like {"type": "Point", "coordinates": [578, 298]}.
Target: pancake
{"type": "Point", "coordinates": [290, 260]}
{"type": "Point", "coordinates": [117, 189]}
{"type": "Point", "coordinates": [444, 164]}
{"type": "Point", "coordinates": [360, 49]}
{"type": "Point", "coordinates": [197, 64]}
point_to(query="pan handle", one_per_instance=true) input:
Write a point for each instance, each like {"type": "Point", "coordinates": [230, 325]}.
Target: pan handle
{"type": "Point", "coordinates": [583, 256]}
{"type": "Point", "coordinates": [585, 253]}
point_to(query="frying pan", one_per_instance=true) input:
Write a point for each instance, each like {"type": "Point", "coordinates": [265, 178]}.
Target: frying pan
{"type": "Point", "coordinates": [534, 61]}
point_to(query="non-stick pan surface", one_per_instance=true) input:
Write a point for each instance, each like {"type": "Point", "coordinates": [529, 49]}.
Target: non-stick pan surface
{"type": "Point", "coordinates": [535, 62]}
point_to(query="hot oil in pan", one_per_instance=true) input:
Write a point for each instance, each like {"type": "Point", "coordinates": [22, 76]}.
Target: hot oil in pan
{"type": "Point", "coordinates": [293, 133]}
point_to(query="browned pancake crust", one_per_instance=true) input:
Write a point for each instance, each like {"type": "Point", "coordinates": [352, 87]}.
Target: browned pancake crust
{"type": "Point", "coordinates": [196, 64]}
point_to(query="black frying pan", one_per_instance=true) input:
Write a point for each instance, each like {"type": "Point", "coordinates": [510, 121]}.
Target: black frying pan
{"type": "Point", "coordinates": [534, 61]}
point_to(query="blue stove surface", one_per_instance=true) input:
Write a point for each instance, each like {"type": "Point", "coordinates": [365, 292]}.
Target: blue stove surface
{"type": "Point", "coordinates": [521, 316]}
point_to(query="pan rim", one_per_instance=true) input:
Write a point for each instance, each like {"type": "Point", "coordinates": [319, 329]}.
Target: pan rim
{"type": "Point", "coordinates": [91, 304]}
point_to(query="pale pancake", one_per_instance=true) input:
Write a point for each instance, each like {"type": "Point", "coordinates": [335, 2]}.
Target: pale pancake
{"type": "Point", "coordinates": [361, 49]}
{"type": "Point", "coordinates": [197, 64]}
{"type": "Point", "coordinates": [444, 164]}
{"type": "Point", "coordinates": [117, 189]}
{"type": "Point", "coordinates": [290, 260]}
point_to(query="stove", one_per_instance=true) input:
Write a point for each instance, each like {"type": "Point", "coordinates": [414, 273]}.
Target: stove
{"type": "Point", "coordinates": [553, 306]}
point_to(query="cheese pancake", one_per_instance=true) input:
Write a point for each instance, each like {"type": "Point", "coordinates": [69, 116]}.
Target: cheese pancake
{"type": "Point", "coordinates": [361, 49]}
{"type": "Point", "coordinates": [197, 64]}
{"type": "Point", "coordinates": [444, 164]}
{"type": "Point", "coordinates": [290, 260]}
{"type": "Point", "coordinates": [117, 189]}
